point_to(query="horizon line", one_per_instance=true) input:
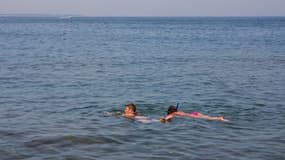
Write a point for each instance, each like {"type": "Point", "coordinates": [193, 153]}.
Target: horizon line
{"type": "Point", "coordinates": [121, 16]}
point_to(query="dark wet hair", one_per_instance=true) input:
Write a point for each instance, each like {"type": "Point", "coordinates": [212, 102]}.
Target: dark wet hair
{"type": "Point", "coordinates": [131, 106]}
{"type": "Point", "coordinates": [171, 109]}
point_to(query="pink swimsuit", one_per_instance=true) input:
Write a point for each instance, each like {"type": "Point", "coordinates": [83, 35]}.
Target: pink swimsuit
{"type": "Point", "coordinates": [194, 114]}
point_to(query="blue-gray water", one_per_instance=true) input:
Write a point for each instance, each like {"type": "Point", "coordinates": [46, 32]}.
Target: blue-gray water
{"type": "Point", "coordinates": [60, 79]}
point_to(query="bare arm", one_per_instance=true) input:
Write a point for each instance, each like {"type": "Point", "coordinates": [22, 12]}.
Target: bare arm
{"type": "Point", "coordinates": [167, 118]}
{"type": "Point", "coordinates": [211, 118]}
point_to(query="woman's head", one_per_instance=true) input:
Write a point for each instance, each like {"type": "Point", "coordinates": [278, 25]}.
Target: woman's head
{"type": "Point", "coordinates": [171, 109]}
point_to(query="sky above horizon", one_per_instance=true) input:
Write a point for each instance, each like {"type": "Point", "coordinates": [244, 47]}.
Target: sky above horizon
{"type": "Point", "coordinates": [145, 7]}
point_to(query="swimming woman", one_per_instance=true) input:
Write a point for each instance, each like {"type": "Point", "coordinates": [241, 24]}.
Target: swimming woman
{"type": "Point", "coordinates": [173, 112]}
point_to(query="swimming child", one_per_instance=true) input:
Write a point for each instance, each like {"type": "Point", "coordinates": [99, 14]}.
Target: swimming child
{"type": "Point", "coordinates": [130, 110]}
{"type": "Point", "coordinates": [172, 112]}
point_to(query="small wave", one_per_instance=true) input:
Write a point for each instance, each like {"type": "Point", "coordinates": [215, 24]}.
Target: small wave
{"type": "Point", "coordinates": [80, 108]}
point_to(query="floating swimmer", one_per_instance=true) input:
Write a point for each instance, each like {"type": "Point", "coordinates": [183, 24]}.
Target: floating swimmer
{"type": "Point", "coordinates": [130, 112]}
{"type": "Point", "coordinates": [173, 112]}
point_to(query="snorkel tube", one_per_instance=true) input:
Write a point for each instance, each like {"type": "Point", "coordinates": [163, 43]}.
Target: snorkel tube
{"type": "Point", "coordinates": [177, 106]}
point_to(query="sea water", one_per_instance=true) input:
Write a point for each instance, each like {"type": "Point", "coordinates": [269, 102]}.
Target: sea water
{"type": "Point", "coordinates": [61, 80]}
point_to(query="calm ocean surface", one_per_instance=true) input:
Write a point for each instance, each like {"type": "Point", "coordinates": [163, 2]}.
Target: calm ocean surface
{"type": "Point", "coordinates": [62, 78]}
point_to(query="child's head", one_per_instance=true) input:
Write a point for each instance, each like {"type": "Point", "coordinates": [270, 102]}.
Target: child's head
{"type": "Point", "coordinates": [130, 107]}
{"type": "Point", "coordinates": [171, 109]}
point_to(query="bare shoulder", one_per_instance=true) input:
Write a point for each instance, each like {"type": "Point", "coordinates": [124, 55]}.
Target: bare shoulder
{"type": "Point", "coordinates": [180, 113]}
